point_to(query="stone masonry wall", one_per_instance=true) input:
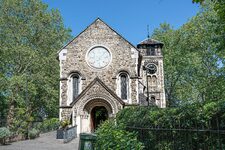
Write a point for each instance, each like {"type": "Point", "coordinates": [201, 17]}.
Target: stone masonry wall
{"type": "Point", "coordinates": [99, 34]}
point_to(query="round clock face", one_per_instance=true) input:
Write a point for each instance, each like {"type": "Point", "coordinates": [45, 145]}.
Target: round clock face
{"type": "Point", "coordinates": [151, 68]}
{"type": "Point", "coordinates": [98, 57]}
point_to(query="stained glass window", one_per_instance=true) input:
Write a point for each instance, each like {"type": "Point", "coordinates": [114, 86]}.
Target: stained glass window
{"type": "Point", "coordinates": [75, 86]}
{"type": "Point", "coordinates": [123, 84]}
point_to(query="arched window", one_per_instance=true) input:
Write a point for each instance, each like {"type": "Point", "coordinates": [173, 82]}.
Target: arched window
{"type": "Point", "coordinates": [154, 80]}
{"type": "Point", "coordinates": [124, 86]}
{"type": "Point", "coordinates": [152, 51]}
{"type": "Point", "coordinates": [76, 85]}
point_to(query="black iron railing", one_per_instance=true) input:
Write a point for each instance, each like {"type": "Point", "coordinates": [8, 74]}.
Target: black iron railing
{"type": "Point", "coordinates": [180, 139]}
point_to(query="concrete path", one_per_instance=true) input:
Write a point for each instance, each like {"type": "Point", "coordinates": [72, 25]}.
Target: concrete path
{"type": "Point", "coordinates": [46, 141]}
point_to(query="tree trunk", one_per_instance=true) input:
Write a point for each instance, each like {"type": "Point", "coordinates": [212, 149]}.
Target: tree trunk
{"type": "Point", "coordinates": [10, 115]}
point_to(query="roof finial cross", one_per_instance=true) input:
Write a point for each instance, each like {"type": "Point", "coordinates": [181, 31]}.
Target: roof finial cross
{"type": "Point", "coordinates": [148, 31]}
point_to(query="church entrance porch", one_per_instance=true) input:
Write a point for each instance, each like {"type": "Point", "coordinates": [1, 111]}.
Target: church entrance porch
{"type": "Point", "coordinates": [93, 113]}
{"type": "Point", "coordinates": [98, 115]}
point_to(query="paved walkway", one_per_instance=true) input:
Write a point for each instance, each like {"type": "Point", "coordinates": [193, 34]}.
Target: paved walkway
{"type": "Point", "coordinates": [46, 141]}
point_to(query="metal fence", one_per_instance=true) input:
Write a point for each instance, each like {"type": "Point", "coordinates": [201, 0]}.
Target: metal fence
{"type": "Point", "coordinates": [180, 139]}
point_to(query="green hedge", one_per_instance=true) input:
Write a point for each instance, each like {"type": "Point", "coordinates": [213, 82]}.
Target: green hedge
{"type": "Point", "coordinates": [120, 134]}
{"type": "Point", "coordinates": [49, 125]}
{"type": "Point", "coordinates": [187, 116]}
{"type": "Point", "coordinates": [159, 126]}
{"type": "Point", "coordinates": [114, 137]}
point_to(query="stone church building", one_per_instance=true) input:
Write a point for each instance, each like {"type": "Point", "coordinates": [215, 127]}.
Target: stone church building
{"type": "Point", "coordinates": [101, 73]}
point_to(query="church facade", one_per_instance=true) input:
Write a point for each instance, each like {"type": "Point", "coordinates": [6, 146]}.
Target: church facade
{"type": "Point", "coordinates": [102, 73]}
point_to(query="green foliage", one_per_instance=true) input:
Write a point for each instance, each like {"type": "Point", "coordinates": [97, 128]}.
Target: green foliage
{"type": "Point", "coordinates": [197, 1]}
{"type": "Point", "coordinates": [33, 133]}
{"type": "Point", "coordinates": [186, 116]}
{"type": "Point", "coordinates": [4, 133]}
{"type": "Point", "coordinates": [196, 116]}
{"type": "Point", "coordinates": [219, 7]}
{"type": "Point", "coordinates": [114, 137]}
{"type": "Point", "coordinates": [49, 125]}
{"type": "Point", "coordinates": [21, 121]}
{"type": "Point", "coordinates": [193, 59]}
{"type": "Point", "coordinates": [64, 123]}
{"type": "Point", "coordinates": [30, 36]}
{"type": "Point", "coordinates": [3, 109]}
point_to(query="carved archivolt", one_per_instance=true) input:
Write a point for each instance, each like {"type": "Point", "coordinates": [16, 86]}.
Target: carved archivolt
{"type": "Point", "coordinates": [97, 100]}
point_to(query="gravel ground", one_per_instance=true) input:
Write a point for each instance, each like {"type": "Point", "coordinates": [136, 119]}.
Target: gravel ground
{"type": "Point", "coordinates": [46, 141]}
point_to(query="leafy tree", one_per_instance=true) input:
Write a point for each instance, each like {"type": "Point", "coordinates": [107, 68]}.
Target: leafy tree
{"type": "Point", "coordinates": [30, 35]}
{"type": "Point", "coordinates": [219, 7]}
{"type": "Point", "coordinates": [194, 63]}
{"type": "Point", "coordinates": [176, 63]}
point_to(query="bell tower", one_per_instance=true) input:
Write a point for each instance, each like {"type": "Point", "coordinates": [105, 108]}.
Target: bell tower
{"type": "Point", "coordinates": [151, 72]}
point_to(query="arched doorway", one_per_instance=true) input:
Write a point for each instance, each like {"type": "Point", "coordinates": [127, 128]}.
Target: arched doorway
{"type": "Point", "coordinates": [98, 115]}
{"type": "Point", "coordinates": [98, 111]}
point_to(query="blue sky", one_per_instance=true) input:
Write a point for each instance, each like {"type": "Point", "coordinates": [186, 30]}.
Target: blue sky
{"type": "Point", "coordinates": [128, 17]}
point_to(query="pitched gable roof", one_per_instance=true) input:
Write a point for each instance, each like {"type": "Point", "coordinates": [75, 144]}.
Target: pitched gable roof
{"type": "Point", "coordinates": [103, 85]}
{"type": "Point", "coordinates": [98, 19]}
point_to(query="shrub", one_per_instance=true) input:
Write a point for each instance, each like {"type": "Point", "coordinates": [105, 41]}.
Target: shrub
{"type": "Point", "coordinates": [49, 125]}
{"type": "Point", "coordinates": [204, 116]}
{"type": "Point", "coordinates": [33, 133]}
{"type": "Point", "coordinates": [186, 116]}
{"type": "Point", "coordinates": [114, 137]}
{"type": "Point", "coordinates": [64, 123]}
{"type": "Point", "coordinates": [4, 133]}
